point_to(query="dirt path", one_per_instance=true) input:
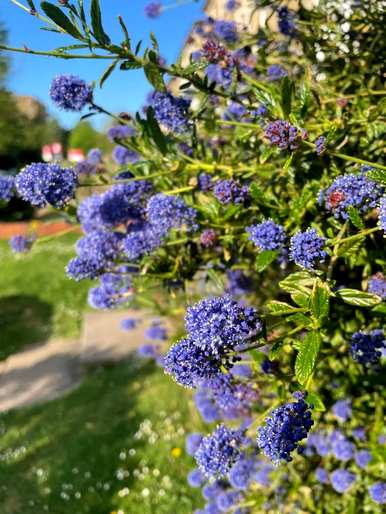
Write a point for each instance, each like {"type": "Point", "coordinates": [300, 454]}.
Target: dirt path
{"type": "Point", "coordinates": [44, 372]}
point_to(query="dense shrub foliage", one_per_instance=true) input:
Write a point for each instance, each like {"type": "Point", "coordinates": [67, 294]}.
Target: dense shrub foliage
{"type": "Point", "coordinates": [249, 193]}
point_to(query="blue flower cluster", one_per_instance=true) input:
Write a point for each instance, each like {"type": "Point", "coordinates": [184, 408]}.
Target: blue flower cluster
{"type": "Point", "coordinates": [342, 480]}
{"type": "Point", "coordinates": [42, 184]}
{"type": "Point", "coordinates": [218, 451]}
{"type": "Point", "coordinates": [169, 211]}
{"type": "Point", "coordinates": [286, 21]}
{"type": "Point", "coordinates": [276, 72]}
{"type": "Point", "coordinates": [378, 492]}
{"type": "Point", "coordinates": [70, 93]}
{"type": "Point", "coordinates": [267, 235]}
{"type": "Point", "coordinates": [282, 134]}
{"type": "Point", "coordinates": [226, 30]}
{"type": "Point", "coordinates": [285, 428]}
{"type": "Point", "coordinates": [123, 155]}
{"type": "Point", "coordinates": [382, 213]}
{"type": "Point", "coordinates": [208, 237]}
{"type": "Point", "coordinates": [230, 191]}
{"type": "Point", "coordinates": [21, 244]}
{"type": "Point", "coordinates": [320, 145]}
{"type": "Point", "coordinates": [170, 111]}
{"type": "Point", "coordinates": [120, 132]}
{"type": "Point", "coordinates": [7, 187]}
{"type": "Point", "coordinates": [238, 283]}
{"type": "Point", "coordinates": [365, 347]}
{"type": "Point", "coordinates": [153, 9]}
{"type": "Point", "coordinates": [355, 190]}
{"type": "Point", "coordinates": [377, 285]}
{"type": "Point", "coordinates": [306, 249]}
{"type": "Point", "coordinates": [114, 289]}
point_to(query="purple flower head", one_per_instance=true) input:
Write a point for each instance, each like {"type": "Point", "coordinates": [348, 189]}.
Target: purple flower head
{"type": "Point", "coordinates": [156, 331]}
{"type": "Point", "coordinates": [378, 492]}
{"type": "Point", "coordinates": [320, 145]}
{"type": "Point", "coordinates": [192, 443]}
{"type": "Point", "coordinates": [206, 406]}
{"type": "Point", "coordinates": [267, 235]}
{"type": "Point", "coordinates": [129, 323]}
{"type": "Point", "coordinates": [170, 111]}
{"type": "Point", "coordinates": [263, 474]}
{"type": "Point", "coordinates": [359, 433]}
{"type": "Point", "coordinates": [85, 168]}
{"type": "Point", "coordinates": [365, 347]}
{"type": "Point", "coordinates": [94, 156]}
{"type": "Point", "coordinates": [321, 476]}
{"type": "Point", "coordinates": [42, 184]}
{"type": "Point", "coordinates": [342, 409]}
{"type": "Point", "coordinates": [306, 249]}
{"type": "Point", "coordinates": [123, 156]}
{"type": "Point", "coordinates": [222, 75]}
{"type": "Point", "coordinates": [120, 132]}
{"type": "Point", "coordinates": [234, 398]}
{"type": "Point", "coordinates": [219, 451]}
{"type": "Point", "coordinates": [218, 324]}
{"type": "Point", "coordinates": [21, 244]}
{"type": "Point", "coordinates": [80, 268]}
{"type": "Point", "coordinates": [354, 190]}
{"type": "Point", "coordinates": [363, 458]}
{"type": "Point", "coordinates": [238, 283]}
{"type": "Point", "coordinates": [234, 111]}
{"type": "Point", "coordinates": [286, 21]}
{"type": "Point", "coordinates": [320, 441]}
{"type": "Point", "coordinates": [153, 9]}
{"type": "Point", "coordinates": [70, 93]}
{"type": "Point", "coordinates": [226, 30]}
{"type": "Point", "coordinates": [269, 367]}
{"type": "Point", "coordinates": [204, 182]}
{"type": "Point", "coordinates": [342, 480]}
{"type": "Point", "coordinates": [284, 429]}
{"type": "Point", "coordinates": [7, 187]}
{"type": "Point", "coordinates": [165, 212]}
{"type": "Point", "coordinates": [231, 5]}
{"type": "Point", "coordinates": [276, 72]}
{"type": "Point", "coordinates": [212, 490]}
{"type": "Point", "coordinates": [377, 285]}
{"type": "Point", "coordinates": [282, 134]}
{"type": "Point", "coordinates": [241, 473]}
{"type": "Point", "coordinates": [230, 191]}
{"type": "Point", "coordinates": [214, 52]}
{"type": "Point", "coordinates": [228, 499]}
{"type": "Point", "coordinates": [382, 213]}
{"type": "Point", "coordinates": [195, 478]}
{"type": "Point", "coordinates": [208, 237]}
{"type": "Point", "coordinates": [150, 351]}
{"type": "Point", "coordinates": [341, 447]}
{"type": "Point", "coordinates": [114, 289]}
{"type": "Point", "coordinates": [141, 241]}
{"type": "Point", "coordinates": [189, 365]}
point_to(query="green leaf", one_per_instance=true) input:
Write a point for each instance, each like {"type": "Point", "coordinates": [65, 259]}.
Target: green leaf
{"type": "Point", "coordinates": [125, 32]}
{"type": "Point", "coordinates": [130, 65]}
{"type": "Point", "coordinates": [275, 349]}
{"type": "Point", "coordinates": [108, 71]}
{"type": "Point", "coordinates": [355, 217]}
{"type": "Point", "coordinates": [301, 320]}
{"type": "Point", "coordinates": [299, 282]}
{"type": "Point", "coordinates": [358, 298]}
{"type": "Point", "coordinates": [31, 5]}
{"type": "Point", "coordinates": [154, 42]}
{"type": "Point", "coordinates": [377, 175]}
{"type": "Point", "coordinates": [96, 23]}
{"type": "Point", "coordinates": [306, 357]}
{"type": "Point", "coordinates": [256, 192]}
{"type": "Point", "coordinates": [277, 308]}
{"type": "Point", "coordinates": [155, 132]}
{"type": "Point", "coordinates": [154, 76]}
{"type": "Point", "coordinates": [320, 300]}
{"type": "Point", "coordinates": [266, 154]}
{"type": "Point", "coordinates": [264, 259]}
{"type": "Point", "coordinates": [216, 277]}
{"type": "Point", "coordinates": [60, 19]}
{"type": "Point", "coordinates": [288, 162]}
{"type": "Point", "coordinates": [315, 400]}
{"type": "Point", "coordinates": [286, 96]}
{"type": "Point", "coordinates": [301, 299]}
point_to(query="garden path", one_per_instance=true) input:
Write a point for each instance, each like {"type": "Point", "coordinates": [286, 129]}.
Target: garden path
{"type": "Point", "coordinates": [47, 371]}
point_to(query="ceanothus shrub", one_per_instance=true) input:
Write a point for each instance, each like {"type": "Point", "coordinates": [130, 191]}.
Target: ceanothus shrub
{"type": "Point", "coordinates": [254, 196]}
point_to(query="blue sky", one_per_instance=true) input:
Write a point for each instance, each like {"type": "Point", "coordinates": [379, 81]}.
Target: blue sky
{"type": "Point", "coordinates": [124, 91]}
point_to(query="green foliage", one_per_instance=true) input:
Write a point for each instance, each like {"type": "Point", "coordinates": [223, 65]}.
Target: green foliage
{"type": "Point", "coordinates": [86, 137]}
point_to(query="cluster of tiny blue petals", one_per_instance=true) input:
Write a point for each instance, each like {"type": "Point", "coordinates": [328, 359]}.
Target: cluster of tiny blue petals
{"type": "Point", "coordinates": [20, 243]}
{"type": "Point", "coordinates": [284, 429]}
{"type": "Point", "coordinates": [218, 451]}
{"type": "Point", "coordinates": [113, 290]}
{"type": "Point", "coordinates": [342, 480]}
{"type": "Point", "coordinates": [342, 409]}
{"type": "Point", "coordinates": [267, 235]}
{"type": "Point", "coordinates": [218, 324]}
{"type": "Point", "coordinates": [320, 145]}
{"type": "Point", "coordinates": [282, 134]}
{"type": "Point", "coordinates": [226, 30]}
{"type": "Point", "coordinates": [276, 72]}
{"type": "Point", "coordinates": [230, 191]}
{"type": "Point", "coordinates": [378, 492]}
{"type": "Point", "coordinates": [70, 93]}
{"type": "Point", "coordinates": [192, 443]}
{"type": "Point", "coordinates": [156, 331]}
{"type": "Point", "coordinates": [286, 21]}
{"type": "Point", "coordinates": [238, 283]}
{"type": "Point", "coordinates": [171, 112]}
{"type": "Point", "coordinates": [7, 186]}
{"type": "Point", "coordinates": [382, 213]}
{"type": "Point", "coordinates": [355, 190]}
{"type": "Point", "coordinates": [42, 184]}
{"type": "Point", "coordinates": [123, 156]}
{"type": "Point", "coordinates": [153, 9]}
{"type": "Point", "coordinates": [169, 211]}
{"type": "Point", "coordinates": [141, 241]}
{"type": "Point", "coordinates": [120, 132]}
{"type": "Point", "coordinates": [189, 365]}
{"type": "Point", "coordinates": [365, 348]}
{"type": "Point", "coordinates": [377, 285]}
{"type": "Point", "coordinates": [241, 473]}
{"type": "Point", "coordinates": [306, 249]}
{"type": "Point", "coordinates": [204, 182]}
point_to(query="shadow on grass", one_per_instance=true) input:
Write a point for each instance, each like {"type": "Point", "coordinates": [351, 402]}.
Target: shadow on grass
{"type": "Point", "coordinates": [24, 320]}
{"type": "Point", "coordinates": [63, 457]}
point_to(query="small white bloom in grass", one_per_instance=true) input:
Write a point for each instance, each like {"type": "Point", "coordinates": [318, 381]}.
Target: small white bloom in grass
{"type": "Point", "coordinates": [123, 492]}
{"type": "Point", "coordinates": [122, 455]}
{"type": "Point", "coordinates": [156, 472]}
{"type": "Point", "coordinates": [161, 492]}
{"type": "Point", "coordinates": [145, 492]}
{"type": "Point", "coordinates": [78, 495]}
{"type": "Point", "coordinates": [132, 452]}
{"type": "Point", "coordinates": [75, 471]}
{"type": "Point", "coordinates": [106, 486]}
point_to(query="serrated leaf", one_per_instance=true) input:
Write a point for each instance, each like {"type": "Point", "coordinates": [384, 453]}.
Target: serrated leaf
{"type": "Point", "coordinates": [355, 217]}
{"type": "Point", "coordinates": [264, 259]}
{"type": "Point", "coordinates": [277, 308]}
{"type": "Point", "coordinates": [320, 300]}
{"type": "Point", "coordinates": [96, 23]}
{"type": "Point", "coordinates": [301, 320]}
{"type": "Point", "coordinates": [60, 19]}
{"type": "Point", "coordinates": [154, 76]}
{"type": "Point", "coordinates": [315, 400]}
{"type": "Point", "coordinates": [301, 299]}
{"type": "Point", "coordinates": [130, 65]}
{"type": "Point", "coordinates": [299, 282]}
{"type": "Point", "coordinates": [358, 298]}
{"type": "Point", "coordinates": [275, 349]}
{"type": "Point", "coordinates": [350, 247]}
{"type": "Point", "coordinates": [306, 357]}
{"type": "Point", "coordinates": [107, 72]}
{"type": "Point", "coordinates": [377, 175]}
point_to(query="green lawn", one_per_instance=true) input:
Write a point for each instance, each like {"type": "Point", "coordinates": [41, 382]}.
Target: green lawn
{"type": "Point", "coordinates": [37, 300]}
{"type": "Point", "coordinates": [115, 444]}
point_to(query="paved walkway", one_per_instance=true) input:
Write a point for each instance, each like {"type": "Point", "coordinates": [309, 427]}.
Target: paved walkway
{"type": "Point", "coordinates": [47, 371]}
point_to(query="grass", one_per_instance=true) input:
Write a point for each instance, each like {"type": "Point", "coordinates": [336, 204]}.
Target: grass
{"type": "Point", "coordinates": [115, 444]}
{"type": "Point", "coordinates": [37, 300]}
